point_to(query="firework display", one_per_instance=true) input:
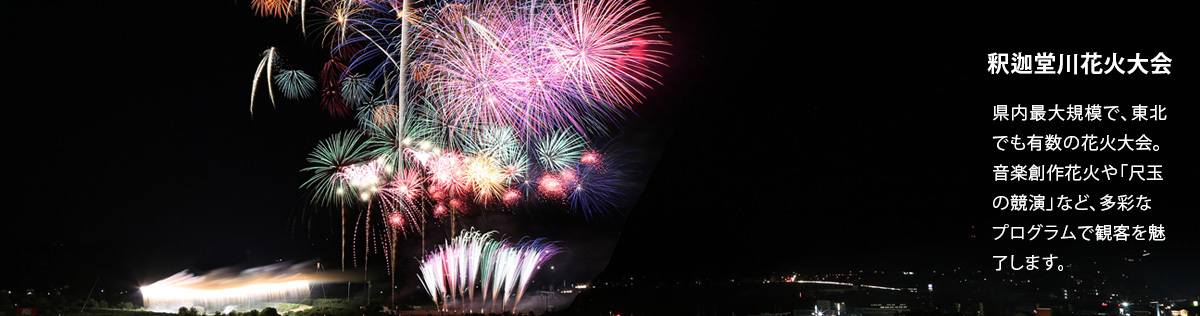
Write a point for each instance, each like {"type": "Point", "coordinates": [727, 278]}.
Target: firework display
{"type": "Point", "coordinates": [501, 270]}
{"type": "Point", "coordinates": [466, 107]}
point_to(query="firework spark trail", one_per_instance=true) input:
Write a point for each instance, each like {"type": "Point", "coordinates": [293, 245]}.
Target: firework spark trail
{"type": "Point", "coordinates": [474, 253]}
{"type": "Point", "coordinates": [533, 254]}
{"type": "Point", "coordinates": [451, 272]}
{"type": "Point", "coordinates": [390, 199]}
{"type": "Point", "coordinates": [431, 277]}
{"type": "Point", "coordinates": [500, 142]}
{"type": "Point", "coordinates": [426, 123]}
{"type": "Point", "coordinates": [375, 27]}
{"type": "Point", "coordinates": [326, 187]}
{"type": "Point", "coordinates": [451, 262]}
{"type": "Point", "coordinates": [507, 265]}
{"type": "Point", "coordinates": [340, 15]}
{"type": "Point", "coordinates": [473, 78]}
{"type": "Point", "coordinates": [377, 118]}
{"type": "Point", "coordinates": [331, 89]}
{"type": "Point", "coordinates": [303, 28]}
{"type": "Point", "coordinates": [375, 239]}
{"type": "Point", "coordinates": [487, 268]}
{"type": "Point", "coordinates": [267, 63]}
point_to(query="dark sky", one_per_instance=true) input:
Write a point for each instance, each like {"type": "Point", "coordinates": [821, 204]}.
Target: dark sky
{"type": "Point", "coordinates": [785, 137]}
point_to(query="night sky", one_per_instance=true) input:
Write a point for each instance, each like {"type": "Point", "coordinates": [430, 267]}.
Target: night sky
{"type": "Point", "coordinates": [785, 137]}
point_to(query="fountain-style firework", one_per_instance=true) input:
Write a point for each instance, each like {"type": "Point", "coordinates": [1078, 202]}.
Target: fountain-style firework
{"type": "Point", "coordinates": [501, 270]}
{"type": "Point", "coordinates": [469, 105]}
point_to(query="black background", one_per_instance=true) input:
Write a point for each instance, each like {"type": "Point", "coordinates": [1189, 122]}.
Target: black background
{"type": "Point", "coordinates": [793, 137]}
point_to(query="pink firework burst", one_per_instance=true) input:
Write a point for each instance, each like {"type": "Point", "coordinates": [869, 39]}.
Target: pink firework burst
{"type": "Point", "coordinates": [606, 48]}
{"type": "Point", "coordinates": [404, 186]}
{"type": "Point", "coordinates": [590, 158]}
{"type": "Point", "coordinates": [363, 177]}
{"type": "Point", "coordinates": [511, 197]}
{"type": "Point", "coordinates": [568, 176]}
{"type": "Point", "coordinates": [446, 172]}
{"type": "Point", "coordinates": [552, 186]}
{"type": "Point", "coordinates": [396, 220]}
{"type": "Point", "coordinates": [440, 211]}
{"type": "Point", "coordinates": [576, 65]}
{"type": "Point", "coordinates": [458, 204]}
{"type": "Point", "coordinates": [476, 71]}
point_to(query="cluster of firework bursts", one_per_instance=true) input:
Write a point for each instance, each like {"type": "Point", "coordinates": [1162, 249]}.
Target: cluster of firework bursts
{"type": "Point", "coordinates": [496, 175]}
{"type": "Point", "coordinates": [470, 105]}
{"type": "Point", "coordinates": [465, 106]}
{"type": "Point", "coordinates": [499, 269]}
{"type": "Point", "coordinates": [533, 65]}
